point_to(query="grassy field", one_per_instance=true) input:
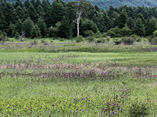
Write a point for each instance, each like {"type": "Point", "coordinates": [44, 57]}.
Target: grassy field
{"type": "Point", "coordinates": [78, 84]}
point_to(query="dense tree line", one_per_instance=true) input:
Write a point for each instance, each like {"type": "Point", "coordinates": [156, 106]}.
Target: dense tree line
{"type": "Point", "coordinates": [58, 19]}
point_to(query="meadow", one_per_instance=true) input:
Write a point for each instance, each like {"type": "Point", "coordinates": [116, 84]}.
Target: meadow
{"type": "Point", "coordinates": [69, 79]}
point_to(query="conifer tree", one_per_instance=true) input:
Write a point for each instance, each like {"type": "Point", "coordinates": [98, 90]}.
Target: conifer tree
{"type": "Point", "coordinates": [42, 26]}
{"type": "Point", "coordinates": [139, 28]}
{"type": "Point", "coordinates": [19, 26]}
{"type": "Point", "coordinates": [28, 26]}
{"type": "Point", "coordinates": [32, 13]}
{"type": "Point", "coordinates": [20, 13]}
{"type": "Point", "coordinates": [35, 32]}
{"type": "Point", "coordinates": [122, 19]}
{"type": "Point", "coordinates": [151, 26]}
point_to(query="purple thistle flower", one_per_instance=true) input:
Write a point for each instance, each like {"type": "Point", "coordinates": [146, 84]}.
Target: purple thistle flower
{"type": "Point", "coordinates": [76, 111]}
{"type": "Point", "coordinates": [82, 110]}
{"type": "Point", "coordinates": [70, 111]}
{"type": "Point", "coordinates": [19, 115]}
{"type": "Point", "coordinates": [35, 114]}
{"type": "Point", "coordinates": [99, 113]}
{"type": "Point", "coordinates": [40, 113]}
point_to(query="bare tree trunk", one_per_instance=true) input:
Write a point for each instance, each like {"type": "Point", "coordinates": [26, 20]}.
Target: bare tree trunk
{"type": "Point", "coordinates": [78, 16]}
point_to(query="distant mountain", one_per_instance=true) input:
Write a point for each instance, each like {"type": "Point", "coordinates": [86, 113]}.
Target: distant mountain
{"type": "Point", "coordinates": [117, 3]}
{"type": "Point", "coordinates": [105, 4]}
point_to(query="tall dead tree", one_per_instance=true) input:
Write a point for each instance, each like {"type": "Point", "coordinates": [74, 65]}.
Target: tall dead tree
{"type": "Point", "coordinates": [83, 8]}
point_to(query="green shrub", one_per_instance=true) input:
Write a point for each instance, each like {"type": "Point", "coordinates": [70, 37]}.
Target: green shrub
{"type": "Point", "coordinates": [79, 39]}
{"type": "Point", "coordinates": [117, 41]}
{"type": "Point", "coordinates": [88, 33]}
{"type": "Point", "coordinates": [61, 39]}
{"type": "Point", "coordinates": [138, 109]}
{"type": "Point", "coordinates": [101, 40]}
{"type": "Point", "coordinates": [3, 38]}
{"type": "Point", "coordinates": [153, 40]}
{"type": "Point", "coordinates": [35, 42]}
{"type": "Point", "coordinates": [108, 38]}
{"type": "Point", "coordinates": [97, 35]}
{"type": "Point", "coordinates": [45, 42]}
{"type": "Point", "coordinates": [155, 33]}
{"type": "Point", "coordinates": [128, 41]}
{"type": "Point", "coordinates": [136, 38]}
{"type": "Point", "coordinates": [90, 39]}
{"type": "Point", "coordinates": [11, 39]}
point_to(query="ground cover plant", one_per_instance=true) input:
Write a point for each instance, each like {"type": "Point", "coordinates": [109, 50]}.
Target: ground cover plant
{"type": "Point", "coordinates": [78, 84]}
{"type": "Point", "coordinates": [97, 45]}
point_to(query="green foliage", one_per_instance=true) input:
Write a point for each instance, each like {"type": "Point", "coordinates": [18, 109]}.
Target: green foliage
{"type": "Point", "coordinates": [138, 108]}
{"type": "Point", "coordinates": [45, 42]}
{"type": "Point", "coordinates": [35, 32]}
{"type": "Point", "coordinates": [128, 41]}
{"type": "Point", "coordinates": [114, 32]}
{"type": "Point", "coordinates": [64, 30]}
{"type": "Point", "coordinates": [42, 26]}
{"type": "Point", "coordinates": [151, 26]}
{"type": "Point", "coordinates": [139, 28]}
{"type": "Point", "coordinates": [101, 40]}
{"type": "Point", "coordinates": [122, 19]}
{"type": "Point", "coordinates": [28, 26]}
{"type": "Point", "coordinates": [136, 38]}
{"type": "Point", "coordinates": [3, 37]}
{"type": "Point", "coordinates": [117, 41]}
{"type": "Point", "coordinates": [125, 31]}
{"type": "Point", "coordinates": [116, 22]}
{"type": "Point", "coordinates": [88, 33]}
{"type": "Point", "coordinates": [153, 40]}
{"type": "Point", "coordinates": [88, 27]}
{"type": "Point", "coordinates": [35, 42]}
{"type": "Point", "coordinates": [155, 33]}
{"type": "Point", "coordinates": [79, 39]}
{"type": "Point", "coordinates": [90, 39]}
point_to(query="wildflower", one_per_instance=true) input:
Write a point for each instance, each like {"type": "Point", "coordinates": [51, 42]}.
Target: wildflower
{"type": "Point", "coordinates": [35, 114]}
{"type": "Point", "coordinates": [82, 110]}
{"type": "Point", "coordinates": [99, 113]}
{"type": "Point", "coordinates": [70, 111]}
{"type": "Point", "coordinates": [76, 111]}
{"type": "Point", "coordinates": [19, 115]}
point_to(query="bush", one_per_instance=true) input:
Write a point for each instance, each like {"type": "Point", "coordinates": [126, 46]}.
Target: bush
{"type": "Point", "coordinates": [90, 39]}
{"type": "Point", "coordinates": [108, 38]}
{"type": "Point", "coordinates": [79, 39]}
{"type": "Point", "coordinates": [117, 41]}
{"type": "Point", "coordinates": [34, 42]}
{"type": "Point", "coordinates": [138, 109]}
{"type": "Point", "coordinates": [3, 38]}
{"type": "Point", "coordinates": [136, 38]}
{"type": "Point", "coordinates": [44, 42]}
{"type": "Point", "coordinates": [114, 32]}
{"type": "Point", "coordinates": [97, 35]}
{"type": "Point", "coordinates": [101, 40]}
{"type": "Point", "coordinates": [153, 40]}
{"type": "Point", "coordinates": [88, 33]}
{"type": "Point", "coordinates": [155, 33]}
{"type": "Point", "coordinates": [128, 41]}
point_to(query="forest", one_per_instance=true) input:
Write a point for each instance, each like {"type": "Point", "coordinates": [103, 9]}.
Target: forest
{"type": "Point", "coordinates": [36, 19]}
